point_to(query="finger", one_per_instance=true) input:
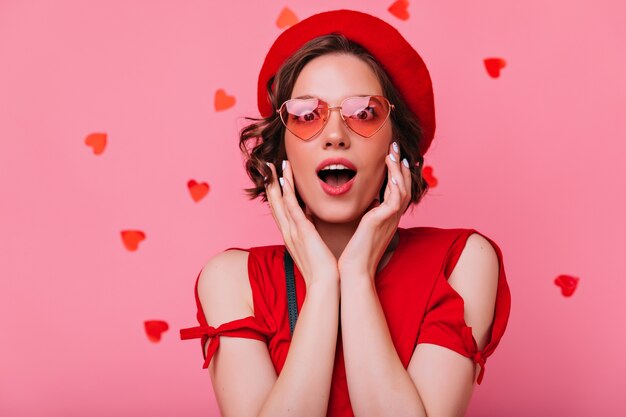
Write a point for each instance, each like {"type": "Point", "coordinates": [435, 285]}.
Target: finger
{"type": "Point", "coordinates": [266, 184]}
{"type": "Point", "coordinates": [269, 186]}
{"type": "Point", "coordinates": [397, 169]}
{"type": "Point", "coordinates": [389, 183]}
{"type": "Point", "coordinates": [290, 196]}
{"type": "Point", "coordinates": [408, 181]}
{"type": "Point", "coordinates": [395, 196]}
{"type": "Point", "coordinates": [273, 191]}
{"type": "Point", "coordinates": [387, 207]}
{"type": "Point", "coordinates": [405, 172]}
{"type": "Point", "coordinates": [394, 173]}
{"type": "Point", "coordinates": [294, 214]}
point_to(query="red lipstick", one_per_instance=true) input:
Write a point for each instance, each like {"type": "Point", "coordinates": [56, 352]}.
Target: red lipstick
{"type": "Point", "coordinates": [343, 188]}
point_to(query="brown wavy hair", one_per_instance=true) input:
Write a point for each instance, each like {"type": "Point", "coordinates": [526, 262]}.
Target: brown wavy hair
{"type": "Point", "coordinates": [263, 140]}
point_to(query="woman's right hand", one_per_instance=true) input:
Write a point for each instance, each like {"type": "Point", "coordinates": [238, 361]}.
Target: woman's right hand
{"type": "Point", "coordinates": [310, 253]}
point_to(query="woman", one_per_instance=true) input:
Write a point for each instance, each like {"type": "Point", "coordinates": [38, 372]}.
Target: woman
{"type": "Point", "coordinates": [348, 115]}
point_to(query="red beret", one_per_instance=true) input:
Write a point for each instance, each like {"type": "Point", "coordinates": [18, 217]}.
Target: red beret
{"type": "Point", "coordinates": [405, 67]}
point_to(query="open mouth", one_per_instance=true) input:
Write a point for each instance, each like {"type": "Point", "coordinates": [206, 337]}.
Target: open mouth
{"type": "Point", "coordinates": [336, 177]}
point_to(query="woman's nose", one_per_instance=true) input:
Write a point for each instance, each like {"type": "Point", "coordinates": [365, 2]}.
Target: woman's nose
{"type": "Point", "coordinates": [335, 132]}
{"type": "Point", "coordinates": [335, 124]}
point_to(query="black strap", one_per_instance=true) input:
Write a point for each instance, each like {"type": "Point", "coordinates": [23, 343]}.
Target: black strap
{"type": "Point", "coordinates": [292, 304]}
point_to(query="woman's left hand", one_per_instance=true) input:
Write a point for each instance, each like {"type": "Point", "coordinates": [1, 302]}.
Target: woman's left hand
{"type": "Point", "coordinates": [378, 225]}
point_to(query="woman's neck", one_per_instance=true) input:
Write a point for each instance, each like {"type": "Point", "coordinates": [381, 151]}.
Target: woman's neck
{"type": "Point", "coordinates": [337, 235]}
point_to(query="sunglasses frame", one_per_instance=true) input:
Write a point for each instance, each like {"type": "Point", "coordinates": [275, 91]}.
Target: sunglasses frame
{"type": "Point", "coordinates": [390, 108]}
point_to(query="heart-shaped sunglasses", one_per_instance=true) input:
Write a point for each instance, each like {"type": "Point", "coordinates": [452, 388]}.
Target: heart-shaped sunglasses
{"type": "Point", "coordinates": [364, 115]}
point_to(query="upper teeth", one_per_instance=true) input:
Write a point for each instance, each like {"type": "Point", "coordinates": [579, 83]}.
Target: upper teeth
{"type": "Point", "coordinates": [335, 166]}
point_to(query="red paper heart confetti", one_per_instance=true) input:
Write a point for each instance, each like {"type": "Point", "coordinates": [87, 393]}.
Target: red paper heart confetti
{"type": "Point", "coordinates": [286, 18]}
{"type": "Point", "coordinates": [198, 190]}
{"type": "Point", "coordinates": [223, 101]}
{"type": "Point", "coordinates": [567, 283]}
{"type": "Point", "coordinates": [154, 329]}
{"type": "Point", "coordinates": [494, 65]}
{"type": "Point", "coordinates": [400, 9]}
{"type": "Point", "coordinates": [97, 142]}
{"type": "Point", "coordinates": [429, 177]}
{"type": "Point", "coordinates": [131, 238]}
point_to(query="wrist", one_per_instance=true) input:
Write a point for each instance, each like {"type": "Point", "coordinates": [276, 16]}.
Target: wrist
{"type": "Point", "coordinates": [355, 278]}
{"type": "Point", "coordinates": [323, 285]}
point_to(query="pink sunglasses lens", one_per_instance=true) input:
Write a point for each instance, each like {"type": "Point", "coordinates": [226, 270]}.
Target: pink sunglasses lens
{"type": "Point", "coordinates": [304, 117]}
{"type": "Point", "coordinates": [365, 115]}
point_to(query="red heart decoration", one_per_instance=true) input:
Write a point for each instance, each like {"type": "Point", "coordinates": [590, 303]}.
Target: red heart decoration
{"type": "Point", "coordinates": [494, 65]}
{"type": "Point", "coordinates": [223, 101]}
{"type": "Point", "coordinates": [400, 9]}
{"type": "Point", "coordinates": [154, 329]}
{"type": "Point", "coordinates": [427, 173]}
{"type": "Point", "coordinates": [97, 141]}
{"type": "Point", "coordinates": [198, 190]}
{"type": "Point", "coordinates": [286, 18]}
{"type": "Point", "coordinates": [567, 283]}
{"type": "Point", "coordinates": [131, 238]}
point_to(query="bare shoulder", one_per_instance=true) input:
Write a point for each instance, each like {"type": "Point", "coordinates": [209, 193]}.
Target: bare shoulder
{"type": "Point", "coordinates": [477, 264]}
{"type": "Point", "coordinates": [224, 288]}
{"type": "Point", "coordinates": [475, 278]}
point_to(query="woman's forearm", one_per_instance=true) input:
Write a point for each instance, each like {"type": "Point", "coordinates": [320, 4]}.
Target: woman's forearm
{"type": "Point", "coordinates": [377, 381]}
{"type": "Point", "coordinates": [303, 386]}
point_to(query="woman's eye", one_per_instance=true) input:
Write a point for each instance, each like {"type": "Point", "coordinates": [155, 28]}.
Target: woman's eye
{"type": "Point", "coordinates": [306, 117]}
{"type": "Point", "coordinates": [366, 114]}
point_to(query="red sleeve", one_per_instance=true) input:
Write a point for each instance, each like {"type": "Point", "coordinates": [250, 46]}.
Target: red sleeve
{"type": "Point", "coordinates": [444, 322]}
{"type": "Point", "coordinates": [249, 327]}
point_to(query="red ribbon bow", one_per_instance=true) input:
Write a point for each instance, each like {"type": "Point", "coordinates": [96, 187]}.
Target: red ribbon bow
{"type": "Point", "coordinates": [246, 327]}
{"type": "Point", "coordinates": [476, 355]}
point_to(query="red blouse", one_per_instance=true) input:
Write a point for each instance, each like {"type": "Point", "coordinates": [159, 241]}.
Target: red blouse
{"type": "Point", "coordinates": [419, 305]}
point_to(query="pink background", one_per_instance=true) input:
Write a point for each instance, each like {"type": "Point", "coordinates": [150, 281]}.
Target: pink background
{"type": "Point", "coordinates": [534, 159]}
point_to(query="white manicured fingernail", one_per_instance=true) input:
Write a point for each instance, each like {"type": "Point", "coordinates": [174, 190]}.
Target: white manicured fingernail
{"type": "Point", "coordinates": [282, 181]}
{"type": "Point", "coordinates": [395, 147]}
{"type": "Point", "coordinates": [284, 164]}
{"type": "Point", "coordinates": [264, 178]}
{"type": "Point", "coordinates": [394, 180]}
{"type": "Point", "coordinates": [405, 162]}
{"type": "Point", "coordinates": [268, 164]}
{"type": "Point", "coordinates": [393, 158]}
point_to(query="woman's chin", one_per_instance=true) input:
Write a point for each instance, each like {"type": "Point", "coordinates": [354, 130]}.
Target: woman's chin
{"type": "Point", "coordinates": [336, 213]}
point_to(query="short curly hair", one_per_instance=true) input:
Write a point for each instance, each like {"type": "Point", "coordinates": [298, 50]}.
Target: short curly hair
{"type": "Point", "coordinates": [263, 140]}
